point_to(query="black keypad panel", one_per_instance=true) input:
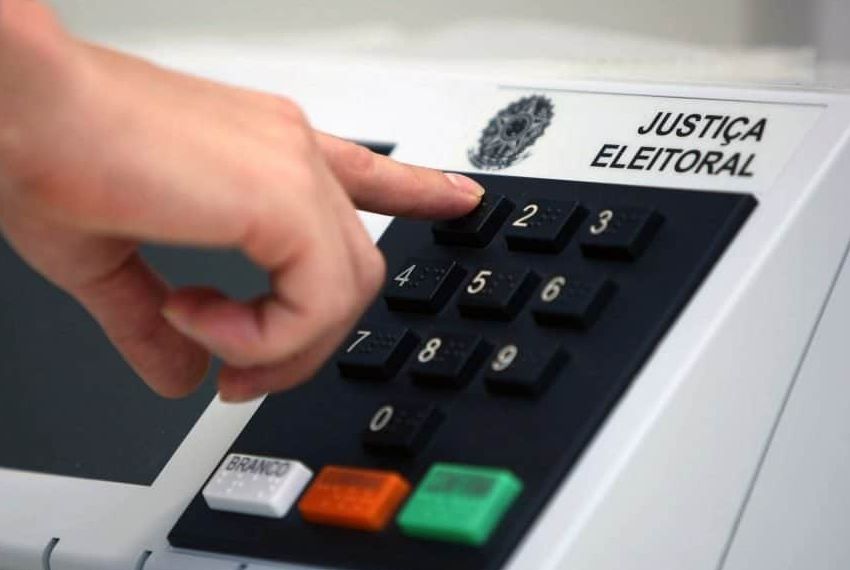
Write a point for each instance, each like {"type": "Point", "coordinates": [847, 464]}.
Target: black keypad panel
{"type": "Point", "coordinates": [496, 384]}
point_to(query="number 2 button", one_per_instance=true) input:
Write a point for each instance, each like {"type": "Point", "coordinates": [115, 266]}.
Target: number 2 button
{"type": "Point", "coordinates": [544, 226]}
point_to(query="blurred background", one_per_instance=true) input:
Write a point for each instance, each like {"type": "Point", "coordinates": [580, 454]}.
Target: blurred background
{"type": "Point", "coordinates": [786, 41]}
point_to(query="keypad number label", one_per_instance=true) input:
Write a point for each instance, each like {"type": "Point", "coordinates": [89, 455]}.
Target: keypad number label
{"type": "Point", "coordinates": [381, 418]}
{"type": "Point", "coordinates": [552, 290]}
{"type": "Point", "coordinates": [504, 358]}
{"type": "Point", "coordinates": [479, 282]}
{"type": "Point", "coordinates": [361, 336]}
{"type": "Point", "coordinates": [403, 277]}
{"type": "Point", "coordinates": [429, 352]}
{"type": "Point", "coordinates": [528, 212]}
{"type": "Point", "coordinates": [601, 226]}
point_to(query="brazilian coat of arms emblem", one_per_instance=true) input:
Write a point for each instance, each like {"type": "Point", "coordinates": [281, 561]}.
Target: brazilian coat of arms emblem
{"type": "Point", "coordinates": [509, 135]}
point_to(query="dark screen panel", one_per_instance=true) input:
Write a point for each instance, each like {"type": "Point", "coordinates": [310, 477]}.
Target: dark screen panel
{"type": "Point", "coordinates": [69, 404]}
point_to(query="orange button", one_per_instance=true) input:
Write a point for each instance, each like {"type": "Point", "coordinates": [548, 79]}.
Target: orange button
{"type": "Point", "coordinates": [365, 499]}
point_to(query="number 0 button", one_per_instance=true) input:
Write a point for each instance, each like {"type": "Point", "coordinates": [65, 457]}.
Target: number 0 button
{"type": "Point", "coordinates": [400, 427]}
{"type": "Point", "coordinates": [422, 285]}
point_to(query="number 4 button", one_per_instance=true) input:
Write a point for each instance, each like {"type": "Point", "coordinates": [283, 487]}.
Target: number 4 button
{"type": "Point", "coordinates": [422, 285]}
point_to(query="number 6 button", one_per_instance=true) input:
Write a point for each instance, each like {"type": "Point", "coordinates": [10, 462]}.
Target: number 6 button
{"type": "Point", "coordinates": [565, 300]}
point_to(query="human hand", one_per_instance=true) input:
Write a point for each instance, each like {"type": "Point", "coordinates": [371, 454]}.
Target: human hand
{"type": "Point", "coordinates": [100, 152]}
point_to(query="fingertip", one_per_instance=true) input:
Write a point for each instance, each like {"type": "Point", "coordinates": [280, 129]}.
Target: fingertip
{"type": "Point", "coordinates": [466, 185]}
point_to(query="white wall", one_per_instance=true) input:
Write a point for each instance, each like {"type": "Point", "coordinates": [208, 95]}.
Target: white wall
{"type": "Point", "coordinates": [832, 29]}
{"type": "Point", "coordinates": [720, 22]}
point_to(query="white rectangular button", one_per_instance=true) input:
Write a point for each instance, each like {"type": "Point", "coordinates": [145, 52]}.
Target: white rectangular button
{"type": "Point", "coordinates": [252, 485]}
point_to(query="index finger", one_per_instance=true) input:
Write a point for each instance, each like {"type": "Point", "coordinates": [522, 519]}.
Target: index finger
{"type": "Point", "coordinates": [380, 184]}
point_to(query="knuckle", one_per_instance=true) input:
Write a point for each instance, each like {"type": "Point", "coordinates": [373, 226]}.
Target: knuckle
{"type": "Point", "coordinates": [359, 159]}
{"type": "Point", "coordinates": [289, 108]}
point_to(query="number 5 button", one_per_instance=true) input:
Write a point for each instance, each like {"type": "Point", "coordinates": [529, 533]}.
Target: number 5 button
{"type": "Point", "coordinates": [544, 226]}
{"type": "Point", "coordinates": [497, 294]}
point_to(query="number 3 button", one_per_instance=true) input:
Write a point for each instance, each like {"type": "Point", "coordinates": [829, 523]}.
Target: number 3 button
{"type": "Point", "coordinates": [620, 232]}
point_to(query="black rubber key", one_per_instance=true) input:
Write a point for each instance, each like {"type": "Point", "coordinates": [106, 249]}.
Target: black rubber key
{"type": "Point", "coordinates": [544, 225]}
{"type": "Point", "coordinates": [422, 285]}
{"type": "Point", "coordinates": [496, 294]}
{"type": "Point", "coordinates": [448, 360]}
{"type": "Point", "coordinates": [401, 428]}
{"type": "Point", "coordinates": [566, 300]}
{"type": "Point", "coordinates": [524, 369]}
{"type": "Point", "coordinates": [375, 352]}
{"type": "Point", "coordinates": [477, 228]}
{"type": "Point", "coordinates": [620, 233]}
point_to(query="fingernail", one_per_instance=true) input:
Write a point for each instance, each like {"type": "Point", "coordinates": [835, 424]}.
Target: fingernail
{"type": "Point", "coordinates": [465, 184]}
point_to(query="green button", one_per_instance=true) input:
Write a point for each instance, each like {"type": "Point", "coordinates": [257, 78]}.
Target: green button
{"type": "Point", "coordinates": [459, 503]}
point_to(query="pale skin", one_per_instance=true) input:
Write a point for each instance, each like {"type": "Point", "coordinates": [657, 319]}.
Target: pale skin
{"type": "Point", "coordinates": [100, 152]}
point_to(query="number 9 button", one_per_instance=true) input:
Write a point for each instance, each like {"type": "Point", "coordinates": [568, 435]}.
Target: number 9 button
{"type": "Point", "coordinates": [523, 368]}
